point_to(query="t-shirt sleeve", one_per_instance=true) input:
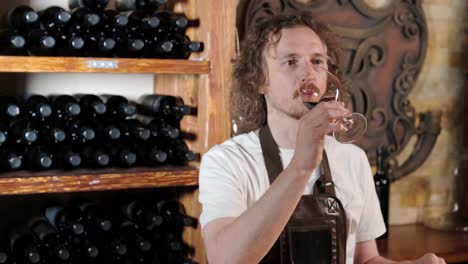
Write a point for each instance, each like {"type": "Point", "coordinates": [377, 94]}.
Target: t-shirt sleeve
{"type": "Point", "coordinates": [371, 224]}
{"type": "Point", "coordinates": [221, 193]}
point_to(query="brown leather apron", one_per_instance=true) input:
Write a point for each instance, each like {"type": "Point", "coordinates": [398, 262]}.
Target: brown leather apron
{"type": "Point", "coordinates": [317, 230]}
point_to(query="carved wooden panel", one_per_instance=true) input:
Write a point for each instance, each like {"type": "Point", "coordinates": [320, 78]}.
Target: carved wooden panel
{"type": "Point", "coordinates": [384, 49]}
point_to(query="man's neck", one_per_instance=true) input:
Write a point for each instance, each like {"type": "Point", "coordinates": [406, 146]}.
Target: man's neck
{"type": "Point", "coordinates": [284, 130]}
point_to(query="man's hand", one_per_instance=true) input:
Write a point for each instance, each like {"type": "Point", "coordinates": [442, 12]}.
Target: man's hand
{"type": "Point", "coordinates": [429, 258]}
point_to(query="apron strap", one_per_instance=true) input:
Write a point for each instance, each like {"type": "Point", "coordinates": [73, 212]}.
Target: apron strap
{"type": "Point", "coordinates": [274, 165]}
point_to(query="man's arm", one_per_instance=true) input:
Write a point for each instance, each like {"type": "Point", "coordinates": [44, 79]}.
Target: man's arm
{"type": "Point", "coordinates": [246, 239]}
{"type": "Point", "coordinates": [367, 253]}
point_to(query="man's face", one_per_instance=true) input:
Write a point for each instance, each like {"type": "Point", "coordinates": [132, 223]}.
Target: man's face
{"type": "Point", "coordinates": [299, 57]}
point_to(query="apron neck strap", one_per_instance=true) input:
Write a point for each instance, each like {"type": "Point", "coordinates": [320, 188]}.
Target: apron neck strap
{"type": "Point", "coordinates": [274, 165]}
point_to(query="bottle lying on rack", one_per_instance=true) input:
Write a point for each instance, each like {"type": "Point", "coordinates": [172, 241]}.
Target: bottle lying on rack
{"type": "Point", "coordinates": [55, 247]}
{"type": "Point", "coordinates": [12, 43]}
{"type": "Point", "coordinates": [9, 159]}
{"type": "Point", "coordinates": [9, 107]}
{"type": "Point", "coordinates": [171, 108]}
{"type": "Point", "coordinates": [41, 43]}
{"type": "Point", "coordinates": [65, 219]}
{"type": "Point", "coordinates": [95, 5]}
{"type": "Point", "coordinates": [5, 254]}
{"type": "Point", "coordinates": [22, 18]}
{"type": "Point", "coordinates": [37, 107]}
{"type": "Point", "coordinates": [147, 6]}
{"type": "Point", "coordinates": [119, 107]}
{"type": "Point", "coordinates": [55, 20]}
{"type": "Point", "coordinates": [25, 249]}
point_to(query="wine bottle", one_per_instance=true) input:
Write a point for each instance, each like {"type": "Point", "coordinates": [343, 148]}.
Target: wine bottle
{"type": "Point", "coordinates": [119, 107]}
{"type": "Point", "coordinates": [382, 186]}
{"type": "Point", "coordinates": [122, 156]}
{"type": "Point", "coordinates": [79, 132]}
{"type": "Point", "coordinates": [147, 6]}
{"type": "Point", "coordinates": [178, 152]}
{"type": "Point", "coordinates": [4, 131]}
{"type": "Point", "coordinates": [84, 21]}
{"type": "Point", "coordinates": [12, 43]}
{"type": "Point", "coordinates": [92, 106]}
{"type": "Point", "coordinates": [10, 159]}
{"type": "Point", "coordinates": [152, 155]}
{"type": "Point", "coordinates": [138, 246]}
{"type": "Point", "coordinates": [37, 158]}
{"type": "Point", "coordinates": [67, 157]}
{"type": "Point", "coordinates": [113, 22]}
{"type": "Point", "coordinates": [9, 107]}
{"type": "Point", "coordinates": [5, 254]}
{"type": "Point", "coordinates": [37, 107]}
{"type": "Point", "coordinates": [95, 157]}
{"type": "Point", "coordinates": [160, 128]}
{"type": "Point", "coordinates": [25, 249]}
{"type": "Point", "coordinates": [57, 249]}
{"type": "Point", "coordinates": [66, 107]}
{"type": "Point", "coordinates": [22, 132]}
{"type": "Point", "coordinates": [66, 219]}
{"type": "Point", "coordinates": [171, 108]}
{"type": "Point", "coordinates": [174, 216]}
{"type": "Point", "coordinates": [101, 46]}
{"type": "Point", "coordinates": [55, 20]}
{"type": "Point", "coordinates": [128, 47]}
{"type": "Point", "coordinates": [22, 18]}
{"type": "Point", "coordinates": [171, 22]}
{"type": "Point", "coordinates": [95, 222]}
{"type": "Point", "coordinates": [95, 5]}
{"type": "Point", "coordinates": [71, 45]}
{"type": "Point", "coordinates": [85, 250]}
{"type": "Point", "coordinates": [134, 132]}
{"type": "Point", "coordinates": [41, 43]}
{"type": "Point", "coordinates": [139, 21]}
{"type": "Point", "coordinates": [141, 213]}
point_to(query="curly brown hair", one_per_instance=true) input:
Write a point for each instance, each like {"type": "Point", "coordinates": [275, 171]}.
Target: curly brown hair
{"type": "Point", "coordinates": [248, 106]}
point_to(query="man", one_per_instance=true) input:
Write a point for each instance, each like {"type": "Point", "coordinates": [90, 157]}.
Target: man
{"type": "Point", "coordinates": [243, 214]}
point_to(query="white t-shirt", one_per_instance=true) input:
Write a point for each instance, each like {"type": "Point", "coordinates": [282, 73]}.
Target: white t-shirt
{"type": "Point", "coordinates": [233, 177]}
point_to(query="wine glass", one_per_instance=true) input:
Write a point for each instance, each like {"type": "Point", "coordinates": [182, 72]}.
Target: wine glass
{"type": "Point", "coordinates": [353, 125]}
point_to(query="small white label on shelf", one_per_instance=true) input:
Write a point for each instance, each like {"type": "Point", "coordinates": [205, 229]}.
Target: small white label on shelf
{"type": "Point", "coordinates": [103, 64]}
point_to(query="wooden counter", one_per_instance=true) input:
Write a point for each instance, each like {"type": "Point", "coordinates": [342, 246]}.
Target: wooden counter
{"type": "Point", "coordinates": [412, 241]}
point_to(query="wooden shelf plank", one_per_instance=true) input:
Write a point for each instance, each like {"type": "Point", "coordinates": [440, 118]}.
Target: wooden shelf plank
{"type": "Point", "coordinates": [103, 65]}
{"type": "Point", "coordinates": [18, 183]}
{"type": "Point", "coordinates": [410, 242]}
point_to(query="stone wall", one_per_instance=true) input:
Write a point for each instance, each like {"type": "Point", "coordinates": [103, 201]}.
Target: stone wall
{"type": "Point", "coordinates": [429, 189]}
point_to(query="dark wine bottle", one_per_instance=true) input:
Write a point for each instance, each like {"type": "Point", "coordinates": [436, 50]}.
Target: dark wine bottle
{"type": "Point", "coordinates": [66, 107]}
{"type": "Point", "coordinates": [174, 216]}
{"type": "Point", "coordinates": [119, 107]}
{"type": "Point", "coordinates": [152, 155]}
{"type": "Point", "coordinates": [171, 22]}
{"type": "Point", "coordinates": [57, 249]}
{"type": "Point", "coordinates": [107, 132]}
{"type": "Point", "coordinates": [128, 47]}
{"type": "Point", "coordinates": [100, 46]}
{"type": "Point", "coordinates": [178, 152]}
{"type": "Point", "coordinates": [160, 128]}
{"type": "Point", "coordinates": [95, 157]}
{"type": "Point", "coordinates": [22, 18]}
{"type": "Point", "coordinates": [134, 132]}
{"type": "Point", "coordinates": [147, 6]}
{"type": "Point", "coordinates": [25, 249]}
{"type": "Point", "coordinates": [92, 106]}
{"type": "Point", "coordinates": [139, 22]}
{"type": "Point", "coordinates": [23, 133]}
{"type": "Point", "coordinates": [71, 45]}
{"type": "Point", "coordinates": [84, 21]}
{"type": "Point", "coordinates": [113, 22]}
{"type": "Point", "coordinates": [5, 253]}
{"type": "Point", "coordinates": [55, 20]}
{"type": "Point", "coordinates": [66, 219]}
{"type": "Point", "coordinates": [12, 43]}
{"type": "Point", "coordinates": [85, 250]}
{"type": "Point", "coordinates": [79, 132]}
{"type": "Point", "coordinates": [10, 159]}
{"type": "Point", "coordinates": [95, 222]}
{"type": "Point", "coordinates": [140, 248]}
{"type": "Point", "coordinates": [37, 158]}
{"type": "Point", "coordinates": [382, 186]}
{"type": "Point", "coordinates": [41, 43]}
{"type": "Point", "coordinates": [37, 107]}
{"type": "Point", "coordinates": [142, 214]}
{"type": "Point", "coordinates": [122, 156]}
{"type": "Point", "coordinates": [9, 107]}
{"type": "Point", "coordinates": [171, 108]}
{"type": "Point", "coordinates": [67, 157]}
{"type": "Point", "coordinates": [95, 5]}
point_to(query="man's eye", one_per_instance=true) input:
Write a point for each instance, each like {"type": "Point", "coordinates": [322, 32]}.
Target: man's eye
{"type": "Point", "coordinates": [317, 61]}
{"type": "Point", "coordinates": [291, 62]}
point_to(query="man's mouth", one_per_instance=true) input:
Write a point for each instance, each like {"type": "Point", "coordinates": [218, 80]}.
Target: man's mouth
{"type": "Point", "coordinates": [309, 92]}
